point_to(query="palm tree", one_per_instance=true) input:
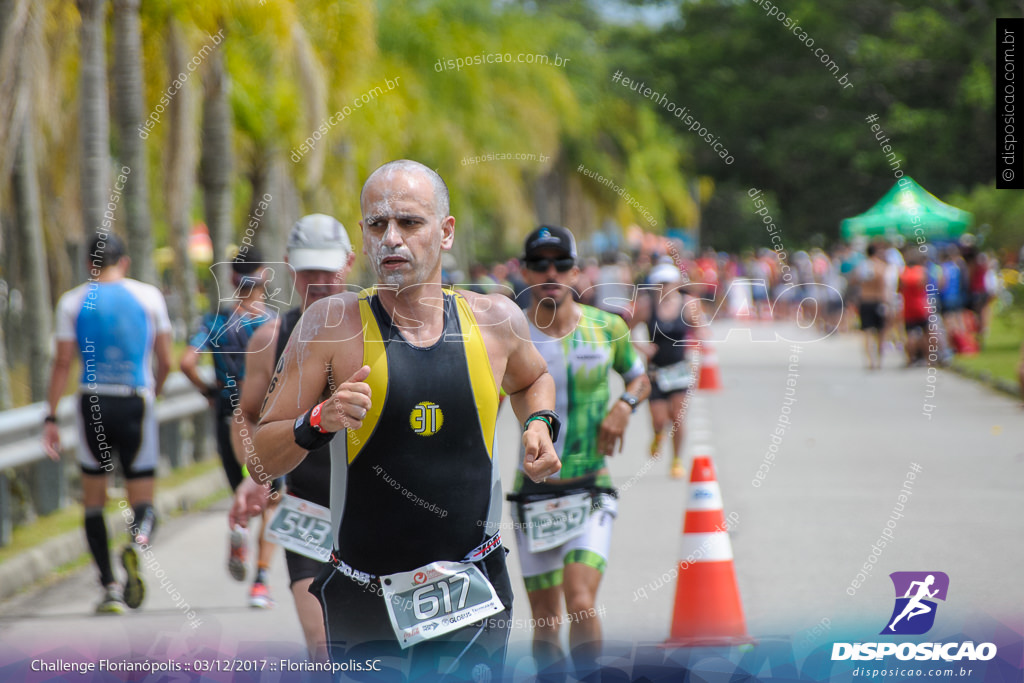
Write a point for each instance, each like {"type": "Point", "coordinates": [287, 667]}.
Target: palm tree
{"type": "Point", "coordinates": [28, 213]}
{"type": "Point", "coordinates": [216, 163]}
{"type": "Point", "coordinates": [181, 165]}
{"type": "Point", "coordinates": [14, 16]}
{"type": "Point", "coordinates": [47, 480]}
{"type": "Point", "coordinates": [93, 118]}
{"type": "Point", "coordinates": [29, 227]}
{"type": "Point", "coordinates": [270, 105]}
{"type": "Point", "coordinates": [128, 112]}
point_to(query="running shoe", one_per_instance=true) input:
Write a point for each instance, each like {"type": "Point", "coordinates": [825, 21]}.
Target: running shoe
{"type": "Point", "coordinates": [677, 471]}
{"type": "Point", "coordinates": [259, 597]}
{"type": "Point", "coordinates": [146, 526]}
{"type": "Point", "coordinates": [237, 553]}
{"type": "Point", "coordinates": [134, 588]}
{"type": "Point", "coordinates": [655, 446]}
{"type": "Point", "coordinates": [113, 601]}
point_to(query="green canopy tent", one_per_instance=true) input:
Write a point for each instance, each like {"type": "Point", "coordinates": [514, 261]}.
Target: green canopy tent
{"type": "Point", "coordinates": [904, 209]}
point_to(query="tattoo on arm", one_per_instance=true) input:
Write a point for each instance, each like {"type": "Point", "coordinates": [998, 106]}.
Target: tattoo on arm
{"type": "Point", "coordinates": [273, 383]}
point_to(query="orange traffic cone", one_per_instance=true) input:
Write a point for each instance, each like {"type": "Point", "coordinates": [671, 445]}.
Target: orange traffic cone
{"type": "Point", "coordinates": [710, 379]}
{"type": "Point", "coordinates": [707, 608]}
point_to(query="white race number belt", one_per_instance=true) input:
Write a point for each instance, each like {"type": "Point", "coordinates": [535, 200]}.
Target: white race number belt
{"type": "Point", "coordinates": [675, 377]}
{"type": "Point", "coordinates": [550, 523]}
{"type": "Point", "coordinates": [302, 527]}
{"type": "Point", "coordinates": [114, 390]}
{"type": "Point", "coordinates": [436, 598]}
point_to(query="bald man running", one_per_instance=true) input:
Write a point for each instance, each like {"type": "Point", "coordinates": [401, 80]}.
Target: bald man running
{"type": "Point", "coordinates": [410, 374]}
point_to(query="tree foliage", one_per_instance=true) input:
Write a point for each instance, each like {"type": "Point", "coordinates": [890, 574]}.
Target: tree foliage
{"type": "Point", "coordinates": [518, 142]}
{"type": "Point", "coordinates": [924, 68]}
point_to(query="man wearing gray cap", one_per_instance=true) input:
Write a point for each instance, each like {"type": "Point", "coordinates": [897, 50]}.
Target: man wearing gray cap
{"type": "Point", "coordinates": [320, 256]}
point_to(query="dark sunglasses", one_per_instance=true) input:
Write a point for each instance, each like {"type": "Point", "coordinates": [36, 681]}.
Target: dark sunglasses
{"type": "Point", "coordinates": [541, 265]}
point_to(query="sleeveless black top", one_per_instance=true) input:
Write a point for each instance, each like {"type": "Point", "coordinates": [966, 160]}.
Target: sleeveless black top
{"type": "Point", "coordinates": [667, 335]}
{"type": "Point", "coordinates": [311, 480]}
{"type": "Point", "coordinates": [416, 483]}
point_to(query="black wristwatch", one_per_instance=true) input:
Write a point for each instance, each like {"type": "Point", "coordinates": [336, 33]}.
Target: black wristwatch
{"type": "Point", "coordinates": [550, 418]}
{"type": "Point", "coordinates": [630, 400]}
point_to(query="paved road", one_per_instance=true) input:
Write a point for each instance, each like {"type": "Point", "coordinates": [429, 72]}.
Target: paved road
{"type": "Point", "coordinates": [801, 539]}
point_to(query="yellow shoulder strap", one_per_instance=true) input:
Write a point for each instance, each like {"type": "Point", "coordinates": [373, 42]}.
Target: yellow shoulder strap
{"type": "Point", "coordinates": [375, 356]}
{"type": "Point", "coordinates": [481, 376]}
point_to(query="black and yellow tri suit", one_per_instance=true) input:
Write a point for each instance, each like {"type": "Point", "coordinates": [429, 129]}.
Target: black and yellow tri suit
{"type": "Point", "coordinates": [417, 483]}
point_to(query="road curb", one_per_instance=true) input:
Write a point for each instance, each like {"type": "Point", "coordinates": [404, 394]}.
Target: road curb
{"type": "Point", "coordinates": [39, 562]}
{"type": "Point", "coordinates": [985, 377]}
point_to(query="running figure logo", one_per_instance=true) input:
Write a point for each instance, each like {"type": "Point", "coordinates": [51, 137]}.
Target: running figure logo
{"type": "Point", "coordinates": [915, 597]}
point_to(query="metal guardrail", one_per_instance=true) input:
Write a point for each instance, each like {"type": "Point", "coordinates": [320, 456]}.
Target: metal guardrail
{"type": "Point", "coordinates": [21, 444]}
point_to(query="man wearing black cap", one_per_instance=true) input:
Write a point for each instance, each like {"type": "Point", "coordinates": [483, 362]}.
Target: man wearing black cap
{"type": "Point", "coordinates": [564, 523]}
{"type": "Point", "coordinates": [118, 326]}
{"type": "Point", "coordinates": [225, 336]}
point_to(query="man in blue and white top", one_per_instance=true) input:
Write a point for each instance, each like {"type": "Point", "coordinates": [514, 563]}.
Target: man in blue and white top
{"type": "Point", "coordinates": [118, 326]}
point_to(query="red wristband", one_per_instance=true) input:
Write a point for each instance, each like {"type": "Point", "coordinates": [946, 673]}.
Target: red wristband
{"type": "Point", "coordinates": [314, 418]}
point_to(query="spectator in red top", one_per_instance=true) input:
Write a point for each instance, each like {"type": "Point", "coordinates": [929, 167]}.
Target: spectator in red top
{"type": "Point", "coordinates": [981, 285]}
{"type": "Point", "coordinates": [913, 283]}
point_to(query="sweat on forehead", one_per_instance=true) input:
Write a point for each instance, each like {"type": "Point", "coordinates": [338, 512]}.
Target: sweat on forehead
{"type": "Point", "coordinates": [392, 169]}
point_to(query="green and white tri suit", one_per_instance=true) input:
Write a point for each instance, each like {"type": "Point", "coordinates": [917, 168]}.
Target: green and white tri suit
{"type": "Point", "coordinates": [579, 364]}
